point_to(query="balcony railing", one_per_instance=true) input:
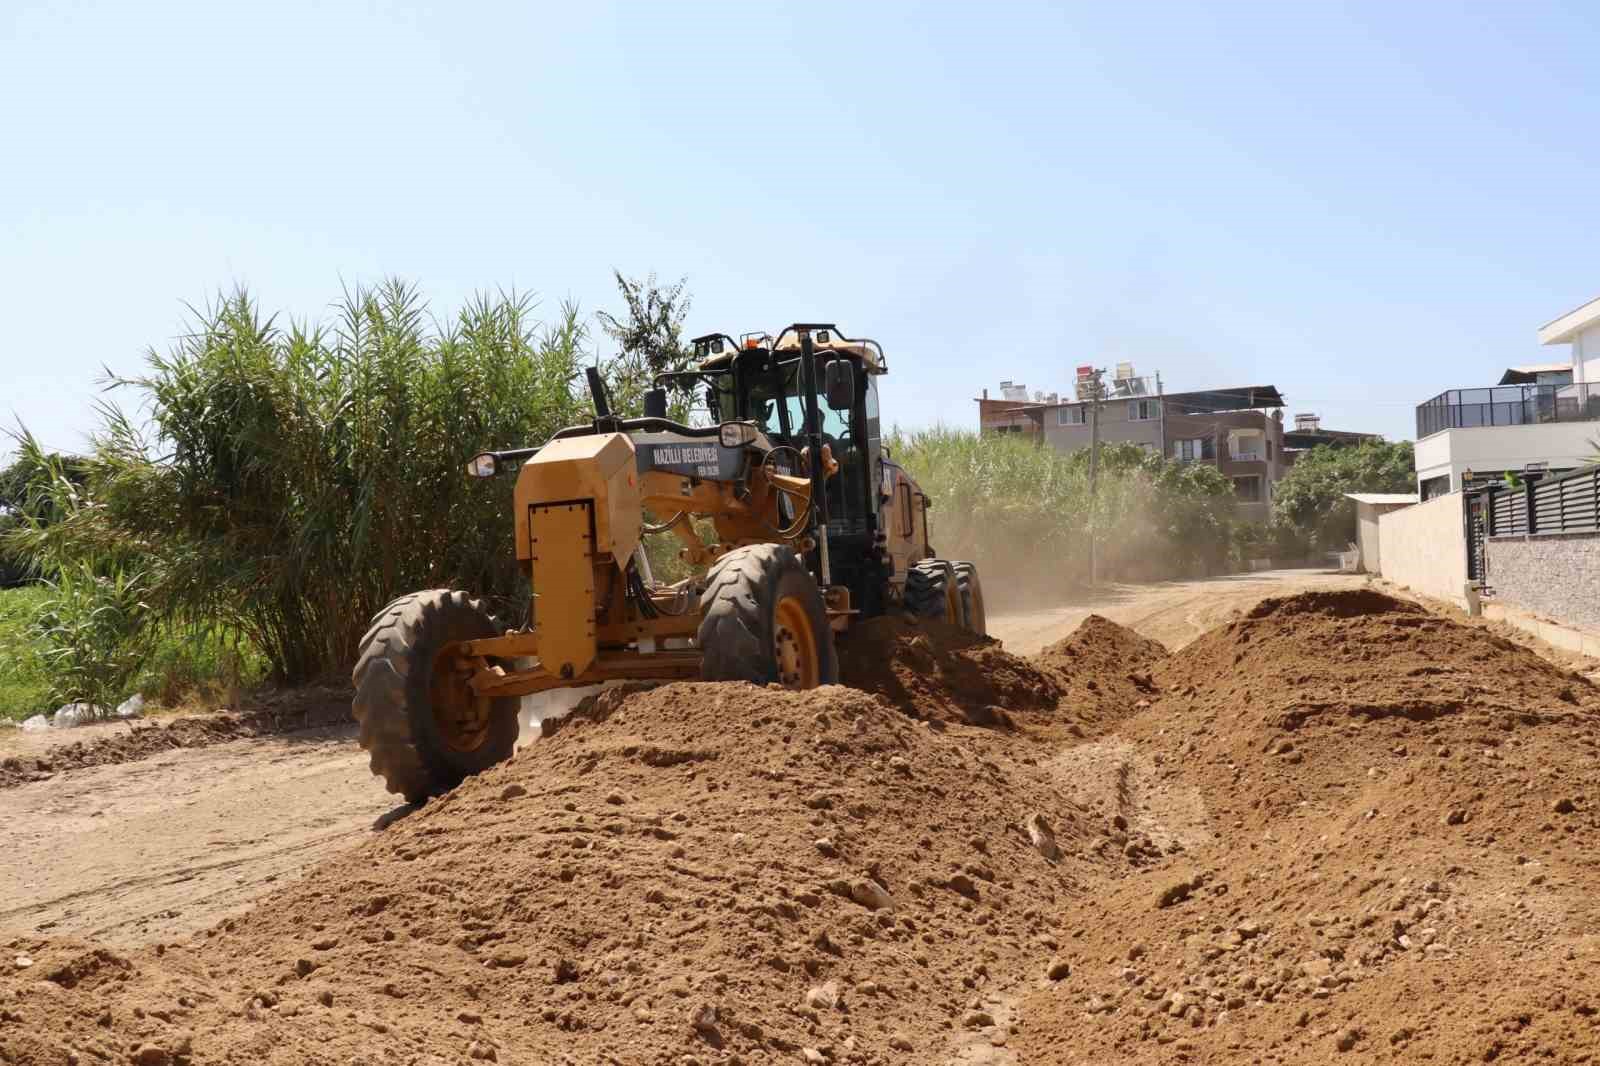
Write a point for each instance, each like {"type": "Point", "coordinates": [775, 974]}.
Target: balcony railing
{"type": "Point", "coordinates": [1508, 405]}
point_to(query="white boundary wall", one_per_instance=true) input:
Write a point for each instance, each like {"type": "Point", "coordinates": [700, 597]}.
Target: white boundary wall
{"type": "Point", "coordinates": [1424, 548]}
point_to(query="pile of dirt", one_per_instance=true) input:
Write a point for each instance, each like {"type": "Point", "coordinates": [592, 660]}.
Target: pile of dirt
{"type": "Point", "coordinates": [1107, 672]}
{"type": "Point", "coordinates": [1339, 828]}
{"type": "Point", "coordinates": [288, 712]}
{"type": "Point", "coordinates": [693, 873]}
{"type": "Point", "coordinates": [937, 671]}
{"type": "Point", "coordinates": [1403, 861]}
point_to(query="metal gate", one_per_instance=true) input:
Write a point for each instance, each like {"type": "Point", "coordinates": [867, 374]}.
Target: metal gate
{"type": "Point", "coordinates": [1477, 527]}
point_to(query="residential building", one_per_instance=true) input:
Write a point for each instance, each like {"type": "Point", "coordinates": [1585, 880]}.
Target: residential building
{"type": "Point", "coordinates": [1238, 430]}
{"type": "Point", "coordinates": [1308, 433]}
{"type": "Point", "coordinates": [1540, 418]}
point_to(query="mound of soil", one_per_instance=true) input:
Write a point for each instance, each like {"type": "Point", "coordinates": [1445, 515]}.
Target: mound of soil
{"type": "Point", "coordinates": [1341, 828]}
{"type": "Point", "coordinates": [1404, 853]}
{"type": "Point", "coordinates": [1106, 669]}
{"type": "Point", "coordinates": [285, 713]}
{"type": "Point", "coordinates": [707, 873]}
{"type": "Point", "coordinates": [933, 670]}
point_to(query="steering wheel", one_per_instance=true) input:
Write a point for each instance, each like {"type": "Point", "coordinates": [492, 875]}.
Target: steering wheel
{"type": "Point", "coordinates": [796, 503]}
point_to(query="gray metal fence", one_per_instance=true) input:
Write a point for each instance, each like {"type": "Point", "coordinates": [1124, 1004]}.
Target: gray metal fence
{"type": "Point", "coordinates": [1566, 504]}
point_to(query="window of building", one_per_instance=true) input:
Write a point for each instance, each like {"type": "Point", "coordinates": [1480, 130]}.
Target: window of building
{"type": "Point", "coordinates": [1246, 446]}
{"type": "Point", "coordinates": [1143, 410]}
{"type": "Point", "coordinates": [1269, 451]}
{"type": "Point", "coordinates": [1069, 416]}
{"type": "Point", "coordinates": [907, 523]}
{"type": "Point", "coordinates": [1247, 489]}
{"type": "Point", "coordinates": [1191, 449]}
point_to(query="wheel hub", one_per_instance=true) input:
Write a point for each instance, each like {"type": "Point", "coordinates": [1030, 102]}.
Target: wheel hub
{"type": "Point", "coordinates": [461, 717]}
{"type": "Point", "coordinates": [795, 645]}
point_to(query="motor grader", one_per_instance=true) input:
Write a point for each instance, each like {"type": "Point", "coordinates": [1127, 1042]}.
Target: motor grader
{"type": "Point", "coordinates": [794, 522]}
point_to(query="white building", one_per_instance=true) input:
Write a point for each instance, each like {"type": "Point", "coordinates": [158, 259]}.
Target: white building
{"type": "Point", "coordinates": [1544, 417]}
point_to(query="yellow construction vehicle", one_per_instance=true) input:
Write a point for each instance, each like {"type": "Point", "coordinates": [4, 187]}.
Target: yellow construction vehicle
{"type": "Point", "coordinates": [793, 518]}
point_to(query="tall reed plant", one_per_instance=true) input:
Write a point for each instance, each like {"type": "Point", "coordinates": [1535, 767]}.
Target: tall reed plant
{"type": "Point", "coordinates": [286, 479]}
{"type": "Point", "coordinates": [1025, 513]}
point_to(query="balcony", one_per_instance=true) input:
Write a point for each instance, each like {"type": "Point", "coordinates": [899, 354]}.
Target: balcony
{"type": "Point", "coordinates": [1508, 405]}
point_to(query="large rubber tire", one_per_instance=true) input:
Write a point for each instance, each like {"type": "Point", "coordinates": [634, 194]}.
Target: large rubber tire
{"type": "Point", "coordinates": [931, 592]}
{"type": "Point", "coordinates": [972, 597]}
{"type": "Point", "coordinates": [739, 617]}
{"type": "Point", "coordinates": [394, 677]}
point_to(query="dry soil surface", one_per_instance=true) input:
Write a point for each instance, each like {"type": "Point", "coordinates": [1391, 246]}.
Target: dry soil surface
{"type": "Point", "coordinates": [1173, 612]}
{"type": "Point", "coordinates": [135, 852]}
{"type": "Point", "coordinates": [134, 832]}
{"type": "Point", "coordinates": [1335, 827]}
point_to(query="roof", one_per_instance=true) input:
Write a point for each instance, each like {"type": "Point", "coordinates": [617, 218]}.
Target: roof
{"type": "Point", "coordinates": [1238, 398]}
{"type": "Point", "coordinates": [1522, 375]}
{"type": "Point", "coordinates": [1570, 324]}
{"type": "Point", "coordinates": [1310, 438]}
{"type": "Point", "coordinates": [865, 349]}
{"type": "Point", "coordinates": [1383, 497]}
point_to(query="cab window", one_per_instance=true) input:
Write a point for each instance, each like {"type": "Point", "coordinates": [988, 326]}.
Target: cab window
{"type": "Point", "coordinates": [907, 522]}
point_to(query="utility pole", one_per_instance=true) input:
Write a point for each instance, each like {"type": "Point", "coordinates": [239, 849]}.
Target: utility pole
{"type": "Point", "coordinates": [1094, 475]}
{"type": "Point", "coordinates": [1161, 416]}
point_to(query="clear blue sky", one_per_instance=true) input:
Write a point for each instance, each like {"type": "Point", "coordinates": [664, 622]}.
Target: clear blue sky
{"type": "Point", "coordinates": [1362, 204]}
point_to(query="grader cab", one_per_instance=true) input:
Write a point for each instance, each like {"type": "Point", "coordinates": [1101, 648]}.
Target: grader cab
{"type": "Point", "coordinates": [793, 521]}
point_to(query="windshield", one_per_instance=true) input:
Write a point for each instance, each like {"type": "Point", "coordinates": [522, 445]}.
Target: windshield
{"type": "Point", "coordinates": [768, 390]}
{"type": "Point", "coordinates": [764, 393]}
{"type": "Point", "coordinates": [775, 394]}
{"type": "Point", "coordinates": [699, 397]}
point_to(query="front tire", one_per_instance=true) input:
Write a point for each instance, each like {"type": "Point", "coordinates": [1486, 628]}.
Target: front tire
{"type": "Point", "coordinates": [419, 726]}
{"type": "Point", "coordinates": [971, 589]}
{"type": "Point", "coordinates": [762, 620]}
{"type": "Point", "coordinates": [932, 591]}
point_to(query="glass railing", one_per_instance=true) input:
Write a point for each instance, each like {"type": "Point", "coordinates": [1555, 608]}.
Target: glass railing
{"type": "Point", "coordinates": [1508, 405]}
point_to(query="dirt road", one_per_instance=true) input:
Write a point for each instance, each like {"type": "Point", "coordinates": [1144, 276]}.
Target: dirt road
{"type": "Point", "coordinates": [1174, 612]}
{"type": "Point", "coordinates": [149, 850]}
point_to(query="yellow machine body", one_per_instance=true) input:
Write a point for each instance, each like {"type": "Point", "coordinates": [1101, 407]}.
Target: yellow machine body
{"type": "Point", "coordinates": [580, 504]}
{"type": "Point", "coordinates": [577, 511]}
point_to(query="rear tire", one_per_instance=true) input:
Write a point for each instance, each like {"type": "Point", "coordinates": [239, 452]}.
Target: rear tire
{"type": "Point", "coordinates": [762, 620]}
{"type": "Point", "coordinates": [932, 591]}
{"type": "Point", "coordinates": [416, 752]}
{"type": "Point", "coordinates": [972, 597]}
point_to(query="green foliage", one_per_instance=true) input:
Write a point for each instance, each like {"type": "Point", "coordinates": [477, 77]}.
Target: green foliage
{"type": "Point", "coordinates": [649, 338]}
{"type": "Point", "coordinates": [27, 495]}
{"type": "Point", "coordinates": [295, 478]}
{"type": "Point", "coordinates": [1024, 513]}
{"type": "Point", "coordinates": [1310, 500]}
{"type": "Point", "coordinates": [87, 632]}
{"type": "Point", "coordinates": [24, 681]}
{"type": "Point", "coordinates": [208, 665]}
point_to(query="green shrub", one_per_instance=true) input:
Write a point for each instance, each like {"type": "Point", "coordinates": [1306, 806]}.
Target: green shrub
{"type": "Point", "coordinates": [292, 479]}
{"type": "Point", "coordinates": [209, 666]}
{"type": "Point", "coordinates": [87, 633]}
{"type": "Point", "coordinates": [24, 681]}
{"type": "Point", "coordinates": [1309, 503]}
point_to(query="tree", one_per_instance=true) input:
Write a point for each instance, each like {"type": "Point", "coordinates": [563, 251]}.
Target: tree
{"type": "Point", "coordinates": [649, 337]}
{"type": "Point", "coordinates": [1311, 501]}
{"type": "Point", "coordinates": [24, 499]}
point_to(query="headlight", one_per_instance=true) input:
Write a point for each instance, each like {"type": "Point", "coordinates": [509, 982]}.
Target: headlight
{"type": "Point", "coordinates": [736, 434]}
